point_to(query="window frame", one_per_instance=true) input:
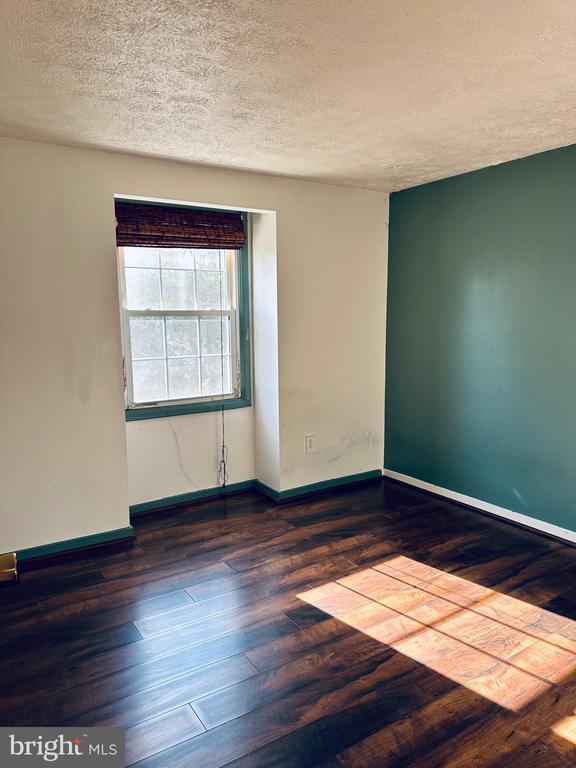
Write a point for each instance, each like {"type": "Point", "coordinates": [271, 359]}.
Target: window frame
{"type": "Point", "coordinates": [240, 345]}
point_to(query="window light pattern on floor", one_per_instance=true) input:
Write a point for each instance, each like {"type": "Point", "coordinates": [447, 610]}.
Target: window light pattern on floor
{"type": "Point", "coordinates": [502, 648]}
{"type": "Point", "coordinates": [566, 728]}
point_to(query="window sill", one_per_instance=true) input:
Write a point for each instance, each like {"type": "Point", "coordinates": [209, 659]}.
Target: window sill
{"type": "Point", "coordinates": [164, 411]}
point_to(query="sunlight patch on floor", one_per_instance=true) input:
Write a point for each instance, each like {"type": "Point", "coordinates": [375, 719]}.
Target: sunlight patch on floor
{"type": "Point", "coordinates": [566, 729]}
{"type": "Point", "coordinates": [498, 646]}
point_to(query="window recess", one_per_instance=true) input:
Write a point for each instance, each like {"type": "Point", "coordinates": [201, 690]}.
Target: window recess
{"type": "Point", "coordinates": [184, 295]}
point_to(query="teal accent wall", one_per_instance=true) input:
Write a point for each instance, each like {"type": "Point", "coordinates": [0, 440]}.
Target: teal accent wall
{"type": "Point", "coordinates": [481, 335]}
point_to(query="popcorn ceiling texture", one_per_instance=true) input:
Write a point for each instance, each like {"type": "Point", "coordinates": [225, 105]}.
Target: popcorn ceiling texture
{"type": "Point", "coordinates": [380, 94]}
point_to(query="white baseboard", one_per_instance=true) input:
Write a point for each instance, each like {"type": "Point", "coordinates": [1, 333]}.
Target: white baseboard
{"type": "Point", "coordinates": [484, 506]}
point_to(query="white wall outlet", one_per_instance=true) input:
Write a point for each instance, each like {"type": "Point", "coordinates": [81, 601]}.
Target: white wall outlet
{"type": "Point", "coordinates": [310, 439]}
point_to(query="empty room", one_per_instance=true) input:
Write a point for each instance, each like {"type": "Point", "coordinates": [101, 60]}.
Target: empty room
{"type": "Point", "coordinates": [288, 383]}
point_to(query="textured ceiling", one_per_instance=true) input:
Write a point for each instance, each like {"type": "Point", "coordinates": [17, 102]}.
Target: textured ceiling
{"type": "Point", "coordinates": [382, 94]}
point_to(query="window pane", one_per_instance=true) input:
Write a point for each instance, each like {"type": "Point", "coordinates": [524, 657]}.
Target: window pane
{"type": "Point", "coordinates": [178, 289]}
{"type": "Point", "coordinates": [149, 380]}
{"type": "Point", "coordinates": [209, 286]}
{"type": "Point", "coordinates": [183, 378]}
{"type": "Point", "coordinates": [212, 332]}
{"type": "Point", "coordinates": [141, 257]}
{"type": "Point", "coordinates": [179, 357]}
{"type": "Point", "coordinates": [142, 288]}
{"type": "Point", "coordinates": [177, 258]}
{"type": "Point", "coordinates": [212, 375]}
{"type": "Point", "coordinates": [206, 259]}
{"type": "Point", "coordinates": [147, 337]}
{"type": "Point", "coordinates": [182, 336]}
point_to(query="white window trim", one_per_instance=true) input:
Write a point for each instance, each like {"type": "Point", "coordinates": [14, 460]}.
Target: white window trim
{"type": "Point", "coordinates": [232, 313]}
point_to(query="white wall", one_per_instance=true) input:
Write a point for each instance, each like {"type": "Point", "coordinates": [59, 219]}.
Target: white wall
{"type": "Point", "coordinates": [265, 345]}
{"type": "Point", "coordinates": [167, 457]}
{"type": "Point", "coordinates": [332, 269]}
{"type": "Point", "coordinates": [64, 459]}
{"type": "Point", "coordinates": [62, 440]}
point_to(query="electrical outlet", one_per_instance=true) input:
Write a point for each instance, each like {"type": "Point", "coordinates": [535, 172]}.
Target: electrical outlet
{"type": "Point", "coordinates": [310, 439]}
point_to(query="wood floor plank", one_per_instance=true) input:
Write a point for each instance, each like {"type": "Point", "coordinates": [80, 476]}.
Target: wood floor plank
{"type": "Point", "coordinates": [67, 644]}
{"type": "Point", "coordinates": [213, 627]}
{"type": "Point", "coordinates": [266, 724]}
{"type": "Point", "coordinates": [161, 732]}
{"type": "Point", "coordinates": [91, 610]}
{"type": "Point", "coordinates": [370, 734]}
{"type": "Point", "coordinates": [207, 651]}
{"type": "Point", "coordinates": [112, 593]}
{"type": "Point", "coordinates": [134, 701]}
{"type": "Point", "coordinates": [32, 687]}
{"type": "Point", "coordinates": [294, 570]}
{"type": "Point", "coordinates": [337, 657]}
{"type": "Point", "coordinates": [179, 557]}
{"type": "Point", "coordinates": [103, 593]}
{"type": "Point", "coordinates": [497, 738]}
{"type": "Point", "coordinates": [300, 540]}
{"type": "Point", "coordinates": [28, 592]}
{"type": "Point", "coordinates": [256, 591]}
{"type": "Point", "coordinates": [306, 616]}
{"type": "Point", "coordinates": [536, 755]}
{"type": "Point", "coordinates": [363, 627]}
{"type": "Point", "coordinates": [406, 741]}
{"type": "Point", "coordinates": [164, 697]}
{"type": "Point", "coordinates": [317, 637]}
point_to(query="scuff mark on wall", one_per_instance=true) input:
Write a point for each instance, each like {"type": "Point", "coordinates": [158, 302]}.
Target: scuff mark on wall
{"type": "Point", "coordinates": [349, 444]}
{"type": "Point", "coordinates": [179, 453]}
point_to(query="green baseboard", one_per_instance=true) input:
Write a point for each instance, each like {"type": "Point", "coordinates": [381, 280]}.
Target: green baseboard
{"type": "Point", "coordinates": [323, 485]}
{"type": "Point", "coordinates": [246, 485]}
{"type": "Point", "coordinates": [266, 490]}
{"type": "Point", "coordinates": [125, 534]}
{"type": "Point", "coordinates": [187, 498]}
{"type": "Point", "coordinates": [82, 542]}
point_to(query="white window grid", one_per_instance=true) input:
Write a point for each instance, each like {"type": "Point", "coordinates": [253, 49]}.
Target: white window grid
{"type": "Point", "coordinates": [230, 312]}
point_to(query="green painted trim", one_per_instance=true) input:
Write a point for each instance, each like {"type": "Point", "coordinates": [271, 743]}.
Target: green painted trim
{"type": "Point", "coordinates": [267, 491]}
{"type": "Point", "coordinates": [323, 485]}
{"type": "Point", "coordinates": [244, 304]}
{"type": "Point", "coordinates": [187, 498]}
{"type": "Point", "coordinates": [304, 490]}
{"type": "Point", "coordinates": [82, 542]}
{"type": "Point", "coordinates": [162, 411]}
{"type": "Point", "coordinates": [122, 534]}
{"type": "Point", "coordinates": [245, 399]}
{"type": "Point", "coordinates": [246, 485]}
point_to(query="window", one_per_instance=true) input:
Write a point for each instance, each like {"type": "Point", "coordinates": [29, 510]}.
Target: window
{"type": "Point", "coordinates": [185, 329]}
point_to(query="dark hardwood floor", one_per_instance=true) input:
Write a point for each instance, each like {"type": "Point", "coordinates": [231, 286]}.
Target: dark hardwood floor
{"type": "Point", "coordinates": [369, 627]}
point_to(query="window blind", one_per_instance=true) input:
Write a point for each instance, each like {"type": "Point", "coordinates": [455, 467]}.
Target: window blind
{"type": "Point", "coordinates": [163, 226]}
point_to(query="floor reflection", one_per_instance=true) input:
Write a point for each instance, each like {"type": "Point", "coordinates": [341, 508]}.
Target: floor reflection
{"type": "Point", "coordinates": [502, 648]}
